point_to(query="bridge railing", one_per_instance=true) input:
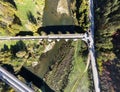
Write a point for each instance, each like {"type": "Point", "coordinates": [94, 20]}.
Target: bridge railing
{"type": "Point", "coordinates": [13, 81]}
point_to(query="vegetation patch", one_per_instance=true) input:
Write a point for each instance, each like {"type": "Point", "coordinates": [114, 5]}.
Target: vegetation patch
{"type": "Point", "coordinates": [80, 10]}
{"type": "Point", "coordinates": [78, 80]}
{"type": "Point", "coordinates": [107, 20]}
{"type": "Point", "coordinates": [20, 15]}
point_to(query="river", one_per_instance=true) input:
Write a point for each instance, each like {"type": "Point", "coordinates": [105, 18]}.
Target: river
{"type": "Point", "coordinates": [57, 12]}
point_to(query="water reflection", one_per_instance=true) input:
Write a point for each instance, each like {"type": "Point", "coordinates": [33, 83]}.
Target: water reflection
{"type": "Point", "coordinates": [57, 12]}
{"type": "Point", "coordinates": [57, 18]}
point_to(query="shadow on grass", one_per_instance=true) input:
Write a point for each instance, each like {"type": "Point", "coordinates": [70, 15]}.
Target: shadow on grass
{"type": "Point", "coordinates": [31, 17]}
{"type": "Point", "coordinates": [11, 2]}
{"type": "Point", "coordinates": [19, 46]}
{"type": "Point", "coordinates": [25, 33]}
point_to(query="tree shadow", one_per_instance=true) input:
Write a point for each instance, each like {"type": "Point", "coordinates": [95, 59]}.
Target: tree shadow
{"type": "Point", "coordinates": [31, 17]}
{"type": "Point", "coordinates": [5, 48]}
{"type": "Point", "coordinates": [112, 74]}
{"type": "Point", "coordinates": [116, 43]}
{"type": "Point", "coordinates": [17, 20]}
{"type": "Point", "coordinates": [111, 68]}
{"type": "Point", "coordinates": [11, 2]}
{"type": "Point", "coordinates": [60, 29]}
{"type": "Point", "coordinates": [25, 33]}
{"type": "Point", "coordinates": [19, 46]}
{"type": "Point", "coordinates": [8, 67]}
{"type": "Point", "coordinates": [37, 81]}
{"type": "Point", "coordinates": [78, 3]}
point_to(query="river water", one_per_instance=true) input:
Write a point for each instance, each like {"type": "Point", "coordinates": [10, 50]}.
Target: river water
{"type": "Point", "coordinates": [56, 12]}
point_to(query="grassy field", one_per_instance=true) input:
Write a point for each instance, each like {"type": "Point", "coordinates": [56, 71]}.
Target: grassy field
{"type": "Point", "coordinates": [78, 80]}
{"type": "Point", "coordinates": [20, 15]}
{"type": "Point", "coordinates": [23, 8]}
{"type": "Point", "coordinates": [27, 7]}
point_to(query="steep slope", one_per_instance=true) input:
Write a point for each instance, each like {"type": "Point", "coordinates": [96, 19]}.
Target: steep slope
{"type": "Point", "coordinates": [107, 19]}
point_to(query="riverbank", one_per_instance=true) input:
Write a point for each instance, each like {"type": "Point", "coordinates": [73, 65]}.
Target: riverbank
{"type": "Point", "coordinates": [62, 63]}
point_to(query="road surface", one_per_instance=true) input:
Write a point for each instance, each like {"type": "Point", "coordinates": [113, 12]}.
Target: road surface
{"type": "Point", "coordinates": [91, 48]}
{"type": "Point", "coordinates": [62, 36]}
{"type": "Point", "coordinates": [13, 81]}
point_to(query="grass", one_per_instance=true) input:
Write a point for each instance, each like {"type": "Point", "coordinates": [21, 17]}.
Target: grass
{"type": "Point", "coordinates": [29, 12]}
{"type": "Point", "coordinates": [7, 42]}
{"type": "Point", "coordinates": [27, 6]}
{"type": "Point", "coordinates": [77, 79]}
{"type": "Point", "coordinates": [23, 8]}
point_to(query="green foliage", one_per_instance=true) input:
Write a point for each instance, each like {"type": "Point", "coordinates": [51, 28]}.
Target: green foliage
{"type": "Point", "coordinates": [77, 79]}
{"type": "Point", "coordinates": [81, 12]}
{"type": "Point", "coordinates": [5, 88]}
{"type": "Point", "coordinates": [18, 53]}
{"type": "Point", "coordinates": [106, 22]}
{"type": "Point", "coordinates": [19, 46]}
{"type": "Point", "coordinates": [20, 15]}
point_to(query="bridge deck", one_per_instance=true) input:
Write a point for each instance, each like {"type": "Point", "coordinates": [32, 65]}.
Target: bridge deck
{"type": "Point", "coordinates": [13, 81]}
{"type": "Point", "coordinates": [63, 36]}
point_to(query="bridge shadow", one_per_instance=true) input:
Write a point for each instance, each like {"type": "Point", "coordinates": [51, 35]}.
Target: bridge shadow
{"type": "Point", "coordinates": [29, 77]}
{"type": "Point", "coordinates": [63, 29]}
{"type": "Point", "coordinates": [8, 67]}
{"type": "Point", "coordinates": [37, 81]}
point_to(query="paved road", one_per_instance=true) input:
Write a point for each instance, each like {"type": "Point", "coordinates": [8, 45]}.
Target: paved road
{"type": "Point", "coordinates": [62, 36]}
{"type": "Point", "coordinates": [13, 81]}
{"type": "Point", "coordinates": [91, 48]}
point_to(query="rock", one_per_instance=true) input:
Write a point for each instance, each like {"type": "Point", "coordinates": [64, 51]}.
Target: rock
{"type": "Point", "coordinates": [21, 54]}
{"type": "Point", "coordinates": [34, 64]}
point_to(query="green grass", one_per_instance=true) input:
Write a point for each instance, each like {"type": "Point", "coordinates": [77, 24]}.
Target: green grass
{"type": "Point", "coordinates": [8, 43]}
{"type": "Point", "coordinates": [23, 8]}
{"type": "Point", "coordinates": [78, 80]}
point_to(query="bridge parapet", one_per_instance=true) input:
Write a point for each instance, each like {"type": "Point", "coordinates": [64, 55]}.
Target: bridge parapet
{"type": "Point", "coordinates": [87, 37]}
